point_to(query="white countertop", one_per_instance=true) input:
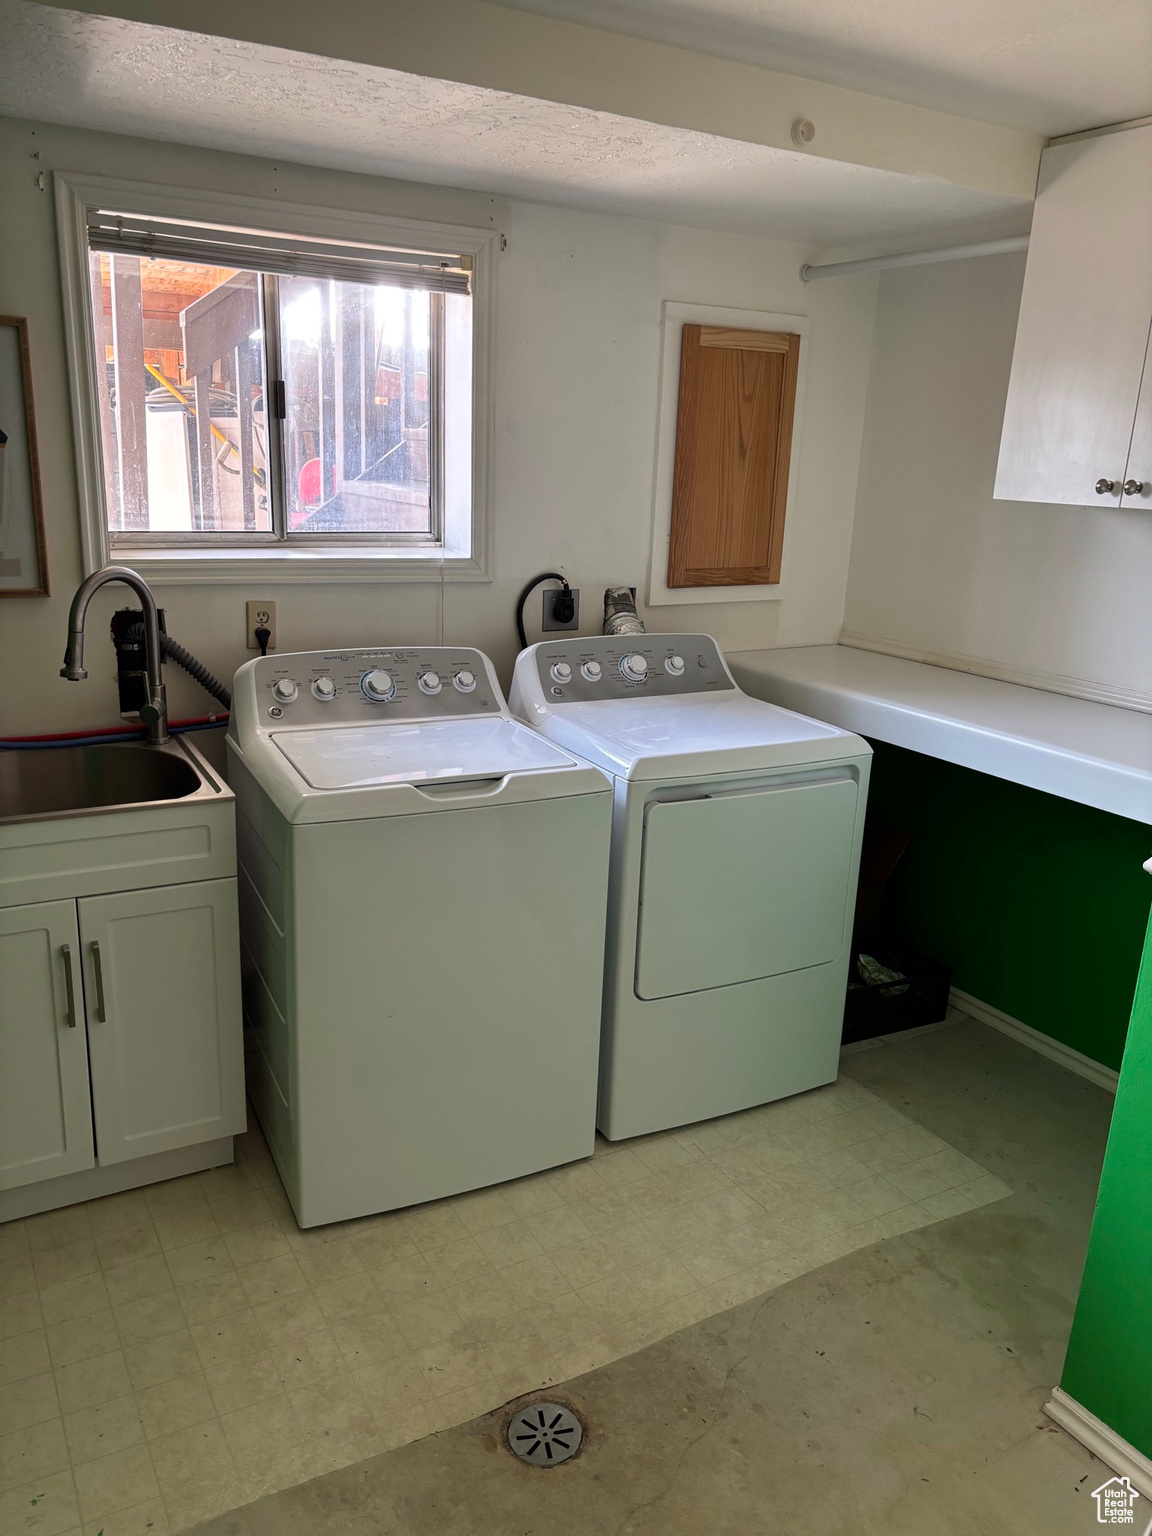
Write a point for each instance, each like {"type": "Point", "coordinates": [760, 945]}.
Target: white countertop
{"type": "Point", "coordinates": [1096, 754]}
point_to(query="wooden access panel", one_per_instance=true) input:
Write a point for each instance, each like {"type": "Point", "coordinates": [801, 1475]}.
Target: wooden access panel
{"type": "Point", "coordinates": [733, 444]}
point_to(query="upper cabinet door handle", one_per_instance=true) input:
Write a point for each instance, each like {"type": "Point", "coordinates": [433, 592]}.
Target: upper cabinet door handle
{"type": "Point", "coordinates": [101, 1015]}
{"type": "Point", "coordinates": [70, 1016]}
{"type": "Point", "coordinates": [1105, 487]}
{"type": "Point", "coordinates": [1133, 487]}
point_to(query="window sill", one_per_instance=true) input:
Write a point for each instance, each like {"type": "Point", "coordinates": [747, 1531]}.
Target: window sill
{"type": "Point", "coordinates": [206, 567]}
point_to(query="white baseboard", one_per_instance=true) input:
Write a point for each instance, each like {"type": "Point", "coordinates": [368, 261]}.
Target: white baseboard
{"type": "Point", "coordinates": [1124, 1459]}
{"type": "Point", "coordinates": [92, 1183]}
{"type": "Point", "coordinates": [982, 666]}
{"type": "Point", "coordinates": [1063, 1055]}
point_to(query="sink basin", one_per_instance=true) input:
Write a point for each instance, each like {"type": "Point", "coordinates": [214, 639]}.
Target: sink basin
{"type": "Point", "coordinates": [86, 820]}
{"type": "Point", "coordinates": [59, 781]}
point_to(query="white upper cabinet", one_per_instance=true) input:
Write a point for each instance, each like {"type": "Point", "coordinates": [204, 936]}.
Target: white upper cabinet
{"type": "Point", "coordinates": [1138, 473]}
{"type": "Point", "coordinates": [1083, 333]}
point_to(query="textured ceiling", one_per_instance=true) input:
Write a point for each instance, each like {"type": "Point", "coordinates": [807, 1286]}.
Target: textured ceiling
{"type": "Point", "coordinates": [125, 77]}
{"type": "Point", "coordinates": [1047, 66]}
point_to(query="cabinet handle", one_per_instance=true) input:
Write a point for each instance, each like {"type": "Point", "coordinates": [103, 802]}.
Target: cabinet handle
{"type": "Point", "coordinates": [1105, 487]}
{"type": "Point", "coordinates": [1133, 487]}
{"type": "Point", "coordinates": [70, 1016]}
{"type": "Point", "coordinates": [100, 1014]}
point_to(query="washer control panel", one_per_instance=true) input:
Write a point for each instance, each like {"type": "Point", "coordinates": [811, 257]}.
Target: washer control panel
{"type": "Point", "coordinates": [627, 666]}
{"type": "Point", "coordinates": [310, 688]}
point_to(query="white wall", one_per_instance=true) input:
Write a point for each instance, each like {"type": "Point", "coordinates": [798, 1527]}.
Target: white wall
{"type": "Point", "coordinates": [1050, 594]}
{"type": "Point", "coordinates": [578, 336]}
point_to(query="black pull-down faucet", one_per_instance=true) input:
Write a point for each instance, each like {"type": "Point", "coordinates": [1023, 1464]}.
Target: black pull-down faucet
{"type": "Point", "coordinates": [154, 712]}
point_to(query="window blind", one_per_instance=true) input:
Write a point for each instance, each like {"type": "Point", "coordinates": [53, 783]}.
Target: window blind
{"type": "Point", "coordinates": [284, 255]}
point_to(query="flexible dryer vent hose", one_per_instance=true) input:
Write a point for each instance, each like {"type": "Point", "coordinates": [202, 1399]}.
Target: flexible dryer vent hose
{"type": "Point", "coordinates": [620, 616]}
{"type": "Point", "coordinates": [185, 658]}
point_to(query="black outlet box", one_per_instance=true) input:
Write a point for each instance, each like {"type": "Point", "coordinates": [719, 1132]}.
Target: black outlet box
{"type": "Point", "coordinates": [561, 609]}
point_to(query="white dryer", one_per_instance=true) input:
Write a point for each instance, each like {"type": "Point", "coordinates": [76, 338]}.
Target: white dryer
{"type": "Point", "coordinates": [423, 885]}
{"type": "Point", "coordinates": [735, 850]}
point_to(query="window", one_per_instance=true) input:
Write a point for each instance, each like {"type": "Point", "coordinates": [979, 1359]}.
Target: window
{"type": "Point", "coordinates": [182, 397]}
{"type": "Point", "coordinates": [262, 394]}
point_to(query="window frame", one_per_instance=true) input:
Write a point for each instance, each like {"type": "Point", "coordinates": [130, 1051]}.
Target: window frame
{"type": "Point", "coordinates": [463, 552]}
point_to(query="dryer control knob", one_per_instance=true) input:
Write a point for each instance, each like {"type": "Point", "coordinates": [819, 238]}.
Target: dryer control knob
{"type": "Point", "coordinates": [429, 682]}
{"type": "Point", "coordinates": [464, 681]}
{"type": "Point", "coordinates": [378, 686]}
{"type": "Point", "coordinates": [674, 666]}
{"type": "Point", "coordinates": [284, 690]}
{"type": "Point", "coordinates": [562, 672]}
{"type": "Point", "coordinates": [324, 688]}
{"type": "Point", "coordinates": [591, 670]}
{"type": "Point", "coordinates": [634, 667]}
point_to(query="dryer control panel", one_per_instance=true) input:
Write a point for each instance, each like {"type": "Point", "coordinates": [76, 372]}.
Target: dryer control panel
{"type": "Point", "coordinates": [354, 687]}
{"type": "Point", "coordinates": [629, 666]}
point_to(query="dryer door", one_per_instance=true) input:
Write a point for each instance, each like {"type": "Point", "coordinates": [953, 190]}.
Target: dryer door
{"type": "Point", "coordinates": [742, 885]}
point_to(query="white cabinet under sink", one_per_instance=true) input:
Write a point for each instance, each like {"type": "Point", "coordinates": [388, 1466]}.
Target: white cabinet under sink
{"type": "Point", "coordinates": [1078, 420]}
{"type": "Point", "coordinates": [119, 1015]}
{"type": "Point", "coordinates": [121, 1051]}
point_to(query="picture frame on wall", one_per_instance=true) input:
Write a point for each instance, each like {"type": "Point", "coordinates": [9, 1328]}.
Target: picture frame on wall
{"type": "Point", "coordinates": [23, 556]}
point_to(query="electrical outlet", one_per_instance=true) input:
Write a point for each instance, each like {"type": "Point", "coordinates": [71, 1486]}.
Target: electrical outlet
{"type": "Point", "coordinates": [261, 616]}
{"type": "Point", "coordinates": [554, 616]}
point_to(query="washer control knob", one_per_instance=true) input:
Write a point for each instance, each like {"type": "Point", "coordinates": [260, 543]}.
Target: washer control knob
{"type": "Point", "coordinates": [634, 667]}
{"type": "Point", "coordinates": [284, 690]}
{"type": "Point", "coordinates": [591, 670]}
{"type": "Point", "coordinates": [562, 672]}
{"type": "Point", "coordinates": [674, 666]}
{"type": "Point", "coordinates": [324, 688]}
{"type": "Point", "coordinates": [429, 682]}
{"type": "Point", "coordinates": [464, 681]}
{"type": "Point", "coordinates": [378, 686]}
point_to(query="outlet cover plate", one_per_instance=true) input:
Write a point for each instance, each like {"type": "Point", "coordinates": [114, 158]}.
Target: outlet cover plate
{"type": "Point", "coordinates": [261, 615]}
{"type": "Point", "coordinates": [548, 622]}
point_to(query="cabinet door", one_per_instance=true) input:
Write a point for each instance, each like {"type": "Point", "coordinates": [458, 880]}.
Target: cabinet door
{"type": "Point", "coordinates": [162, 978]}
{"type": "Point", "coordinates": [1083, 326]}
{"type": "Point", "coordinates": [45, 1112]}
{"type": "Point", "coordinates": [1138, 471]}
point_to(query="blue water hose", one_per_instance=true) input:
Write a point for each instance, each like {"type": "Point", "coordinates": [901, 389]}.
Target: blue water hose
{"type": "Point", "coordinates": [13, 745]}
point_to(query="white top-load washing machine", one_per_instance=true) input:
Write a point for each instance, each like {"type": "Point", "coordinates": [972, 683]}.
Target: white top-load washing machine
{"type": "Point", "coordinates": [735, 850]}
{"type": "Point", "coordinates": [423, 885]}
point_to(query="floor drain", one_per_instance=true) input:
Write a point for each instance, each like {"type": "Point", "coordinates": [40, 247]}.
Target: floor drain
{"type": "Point", "coordinates": [544, 1434]}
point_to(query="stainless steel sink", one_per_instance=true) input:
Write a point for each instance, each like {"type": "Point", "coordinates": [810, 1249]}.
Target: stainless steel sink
{"type": "Point", "coordinates": [71, 781]}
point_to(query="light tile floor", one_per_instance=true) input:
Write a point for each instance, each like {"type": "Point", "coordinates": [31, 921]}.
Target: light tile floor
{"type": "Point", "coordinates": [174, 1352]}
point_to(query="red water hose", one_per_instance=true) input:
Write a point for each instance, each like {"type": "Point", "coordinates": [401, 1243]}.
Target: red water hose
{"type": "Point", "coordinates": [220, 718]}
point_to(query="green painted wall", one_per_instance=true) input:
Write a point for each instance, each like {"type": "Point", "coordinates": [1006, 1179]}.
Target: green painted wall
{"type": "Point", "coordinates": [1109, 1365]}
{"type": "Point", "coordinates": [1039, 905]}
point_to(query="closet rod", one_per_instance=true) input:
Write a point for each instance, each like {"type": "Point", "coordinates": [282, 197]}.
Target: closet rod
{"type": "Point", "coordinates": [808, 274]}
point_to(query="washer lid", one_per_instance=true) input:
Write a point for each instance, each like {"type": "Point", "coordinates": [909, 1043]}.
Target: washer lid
{"type": "Point", "coordinates": [416, 752]}
{"type": "Point", "coordinates": [655, 738]}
